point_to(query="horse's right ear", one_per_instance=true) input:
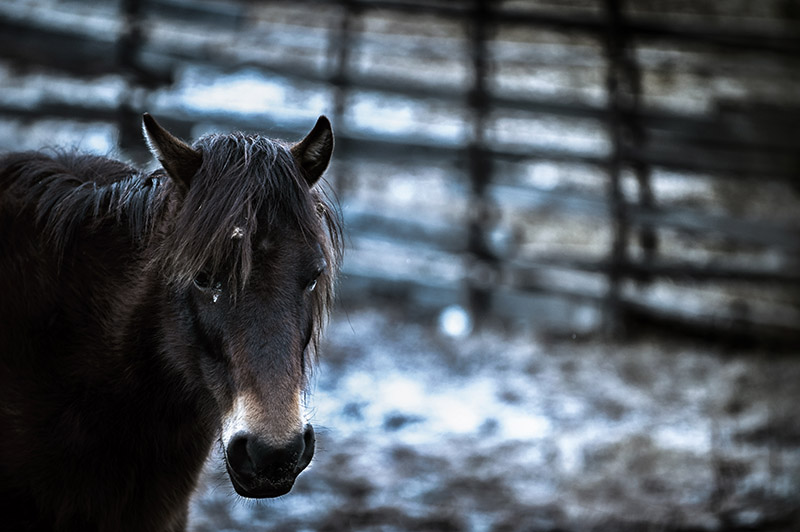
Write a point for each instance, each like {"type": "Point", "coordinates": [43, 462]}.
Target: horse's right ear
{"type": "Point", "coordinates": [313, 153]}
{"type": "Point", "coordinates": [180, 160]}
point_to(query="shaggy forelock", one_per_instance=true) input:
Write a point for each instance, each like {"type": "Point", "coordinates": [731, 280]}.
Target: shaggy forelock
{"type": "Point", "coordinates": [246, 180]}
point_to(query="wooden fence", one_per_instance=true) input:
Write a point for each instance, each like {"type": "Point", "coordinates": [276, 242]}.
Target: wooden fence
{"type": "Point", "coordinates": [580, 165]}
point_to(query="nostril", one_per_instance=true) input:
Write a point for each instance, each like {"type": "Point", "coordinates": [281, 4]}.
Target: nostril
{"type": "Point", "coordinates": [309, 441]}
{"type": "Point", "coordinates": [308, 436]}
{"type": "Point", "coordinates": [238, 454]}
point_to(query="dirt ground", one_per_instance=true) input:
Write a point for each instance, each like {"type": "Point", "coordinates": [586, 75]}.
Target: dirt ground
{"type": "Point", "coordinates": [512, 431]}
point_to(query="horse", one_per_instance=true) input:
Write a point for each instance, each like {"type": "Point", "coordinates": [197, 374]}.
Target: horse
{"type": "Point", "coordinates": [146, 317]}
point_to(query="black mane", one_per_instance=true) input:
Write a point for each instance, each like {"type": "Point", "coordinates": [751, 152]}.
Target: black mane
{"type": "Point", "coordinates": [69, 190]}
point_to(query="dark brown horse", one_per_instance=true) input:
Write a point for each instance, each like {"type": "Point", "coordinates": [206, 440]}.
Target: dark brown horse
{"type": "Point", "coordinates": [145, 316]}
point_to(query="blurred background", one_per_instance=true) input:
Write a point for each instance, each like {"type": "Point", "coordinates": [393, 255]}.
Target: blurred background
{"type": "Point", "coordinates": [571, 292]}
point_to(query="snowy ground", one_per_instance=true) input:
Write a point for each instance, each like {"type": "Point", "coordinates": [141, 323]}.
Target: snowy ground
{"type": "Point", "coordinates": [511, 431]}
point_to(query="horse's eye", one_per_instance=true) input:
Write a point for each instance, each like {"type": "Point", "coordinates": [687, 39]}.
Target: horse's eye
{"type": "Point", "coordinates": [320, 269]}
{"type": "Point", "coordinates": [203, 280]}
{"type": "Point", "coordinates": [311, 286]}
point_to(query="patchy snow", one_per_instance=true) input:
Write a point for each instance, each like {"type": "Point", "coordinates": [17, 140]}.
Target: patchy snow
{"type": "Point", "coordinates": [420, 430]}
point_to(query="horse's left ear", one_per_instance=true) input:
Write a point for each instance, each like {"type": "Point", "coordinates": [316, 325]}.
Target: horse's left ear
{"type": "Point", "coordinates": [180, 160]}
{"type": "Point", "coordinates": [313, 153]}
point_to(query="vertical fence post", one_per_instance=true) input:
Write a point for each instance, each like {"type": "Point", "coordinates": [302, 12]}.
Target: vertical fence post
{"type": "Point", "coordinates": [483, 267]}
{"type": "Point", "coordinates": [623, 85]}
{"type": "Point", "coordinates": [614, 43]}
{"type": "Point", "coordinates": [630, 81]}
{"type": "Point", "coordinates": [340, 48]}
{"type": "Point", "coordinates": [128, 44]}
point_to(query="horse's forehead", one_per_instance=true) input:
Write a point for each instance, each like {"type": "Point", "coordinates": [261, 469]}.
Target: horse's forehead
{"type": "Point", "coordinates": [299, 242]}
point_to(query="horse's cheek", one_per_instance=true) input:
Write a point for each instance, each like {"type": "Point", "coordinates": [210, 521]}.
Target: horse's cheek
{"type": "Point", "coordinates": [200, 353]}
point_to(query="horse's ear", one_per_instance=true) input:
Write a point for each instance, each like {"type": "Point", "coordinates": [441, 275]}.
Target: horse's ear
{"type": "Point", "coordinates": [313, 153]}
{"type": "Point", "coordinates": [180, 160]}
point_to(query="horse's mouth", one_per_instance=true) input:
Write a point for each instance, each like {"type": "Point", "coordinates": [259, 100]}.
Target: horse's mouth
{"type": "Point", "coordinates": [260, 489]}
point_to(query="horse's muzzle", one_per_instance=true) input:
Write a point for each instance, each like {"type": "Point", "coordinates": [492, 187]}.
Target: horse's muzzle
{"type": "Point", "coordinates": [259, 470]}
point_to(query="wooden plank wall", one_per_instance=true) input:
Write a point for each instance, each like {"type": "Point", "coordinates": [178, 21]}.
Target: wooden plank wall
{"type": "Point", "coordinates": [581, 165]}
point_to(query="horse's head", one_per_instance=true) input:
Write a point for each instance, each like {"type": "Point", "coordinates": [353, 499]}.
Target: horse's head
{"type": "Point", "coordinates": [251, 253]}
